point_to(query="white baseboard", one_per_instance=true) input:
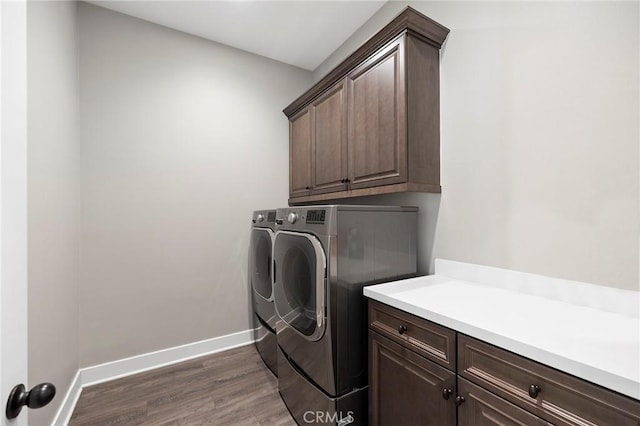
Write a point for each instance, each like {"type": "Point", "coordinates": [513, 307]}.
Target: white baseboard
{"type": "Point", "coordinates": [69, 402]}
{"type": "Point", "coordinates": [137, 364]}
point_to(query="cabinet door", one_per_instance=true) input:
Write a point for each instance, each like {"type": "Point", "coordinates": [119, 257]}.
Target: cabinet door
{"type": "Point", "coordinates": [407, 389]}
{"type": "Point", "coordinates": [300, 154]}
{"type": "Point", "coordinates": [377, 119]}
{"type": "Point", "coordinates": [329, 142]}
{"type": "Point", "coordinates": [482, 408]}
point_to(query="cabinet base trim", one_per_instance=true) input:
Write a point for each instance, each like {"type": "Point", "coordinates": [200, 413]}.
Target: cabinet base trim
{"type": "Point", "coordinates": [377, 190]}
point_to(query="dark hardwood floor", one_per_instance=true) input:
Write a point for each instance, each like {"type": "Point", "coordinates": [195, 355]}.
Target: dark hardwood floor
{"type": "Point", "coordinates": [228, 388]}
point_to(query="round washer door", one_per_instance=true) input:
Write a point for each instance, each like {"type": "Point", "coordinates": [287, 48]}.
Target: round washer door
{"type": "Point", "coordinates": [299, 282]}
{"type": "Point", "coordinates": [260, 260]}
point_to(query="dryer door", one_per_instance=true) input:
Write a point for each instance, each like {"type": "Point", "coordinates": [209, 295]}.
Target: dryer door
{"type": "Point", "coordinates": [299, 282]}
{"type": "Point", "coordinates": [260, 262]}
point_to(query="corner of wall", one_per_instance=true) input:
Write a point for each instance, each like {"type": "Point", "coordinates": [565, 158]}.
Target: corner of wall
{"type": "Point", "coordinates": [53, 150]}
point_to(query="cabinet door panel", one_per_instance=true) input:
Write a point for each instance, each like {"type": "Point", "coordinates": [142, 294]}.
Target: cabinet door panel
{"type": "Point", "coordinates": [300, 154]}
{"type": "Point", "coordinates": [329, 142]}
{"type": "Point", "coordinates": [405, 388]}
{"type": "Point", "coordinates": [482, 408]}
{"type": "Point", "coordinates": [377, 121]}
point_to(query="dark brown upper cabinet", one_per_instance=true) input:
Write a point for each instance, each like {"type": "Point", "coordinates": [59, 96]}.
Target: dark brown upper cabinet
{"type": "Point", "coordinates": [329, 141]}
{"type": "Point", "coordinates": [300, 154]}
{"type": "Point", "coordinates": [371, 126]}
{"type": "Point", "coordinates": [377, 119]}
{"type": "Point", "coordinates": [318, 145]}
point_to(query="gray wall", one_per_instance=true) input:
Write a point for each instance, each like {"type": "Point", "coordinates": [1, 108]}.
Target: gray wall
{"type": "Point", "coordinates": [53, 198]}
{"type": "Point", "coordinates": [540, 130]}
{"type": "Point", "coordinates": [182, 139]}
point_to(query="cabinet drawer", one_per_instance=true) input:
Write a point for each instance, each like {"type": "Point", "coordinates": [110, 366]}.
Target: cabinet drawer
{"type": "Point", "coordinates": [430, 340]}
{"type": "Point", "coordinates": [482, 408]}
{"type": "Point", "coordinates": [555, 396]}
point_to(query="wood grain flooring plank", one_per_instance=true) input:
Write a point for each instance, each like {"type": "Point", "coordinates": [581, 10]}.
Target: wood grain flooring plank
{"type": "Point", "coordinates": [180, 413]}
{"type": "Point", "coordinates": [143, 383]}
{"type": "Point", "coordinates": [123, 414]}
{"type": "Point", "coordinates": [233, 387]}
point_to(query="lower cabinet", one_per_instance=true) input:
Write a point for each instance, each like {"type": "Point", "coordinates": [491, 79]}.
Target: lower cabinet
{"type": "Point", "coordinates": [421, 373]}
{"type": "Point", "coordinates": [407, 389]}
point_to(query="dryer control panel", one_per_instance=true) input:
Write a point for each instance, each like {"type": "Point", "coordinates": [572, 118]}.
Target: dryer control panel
{"type": "Point", "coordinates": [316, 217]}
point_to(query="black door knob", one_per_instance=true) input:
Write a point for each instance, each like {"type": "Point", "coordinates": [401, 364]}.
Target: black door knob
{"type": "Point", "coordinates": [39, 396]}
{"type": "Point", "coordinates": [459, 400]}
{"type": "Point", "coordinates": [402, 329]}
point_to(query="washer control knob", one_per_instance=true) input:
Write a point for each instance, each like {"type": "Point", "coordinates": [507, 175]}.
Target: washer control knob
{"type": "Point", "coordinates": [260, 218]}
{"type": "Point", "coordinates": [292, 217]}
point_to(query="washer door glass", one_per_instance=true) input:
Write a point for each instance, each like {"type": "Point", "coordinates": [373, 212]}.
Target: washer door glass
{"type": "Point", "coordinates": [260, 261]}
{"type": "Point", "coordinates": [299, 287]}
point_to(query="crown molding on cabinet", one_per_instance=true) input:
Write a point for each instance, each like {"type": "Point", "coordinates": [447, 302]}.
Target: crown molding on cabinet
{"type": "Point", "coordinates": [410, 20]}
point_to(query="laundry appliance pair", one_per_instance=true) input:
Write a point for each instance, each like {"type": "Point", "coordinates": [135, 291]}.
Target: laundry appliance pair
{"type": "Point", "coordinates": [321, 258]}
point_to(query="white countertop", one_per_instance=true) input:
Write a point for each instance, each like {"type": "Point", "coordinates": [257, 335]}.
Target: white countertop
{"type": "Point", "coordinates": [595, 344]}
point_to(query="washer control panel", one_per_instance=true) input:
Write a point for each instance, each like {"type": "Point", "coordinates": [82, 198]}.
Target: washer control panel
{"type": "Point", "coordinates": [264, 217]}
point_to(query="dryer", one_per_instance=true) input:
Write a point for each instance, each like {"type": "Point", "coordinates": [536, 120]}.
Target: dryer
{"type": "Point", "coordinates": [323, 257]}
{"type": "Point", "coordinates": [260, 261]}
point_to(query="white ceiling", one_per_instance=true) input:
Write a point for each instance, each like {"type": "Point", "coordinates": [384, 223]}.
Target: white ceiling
{"type": "Point", "coordinates": [300, 33]}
